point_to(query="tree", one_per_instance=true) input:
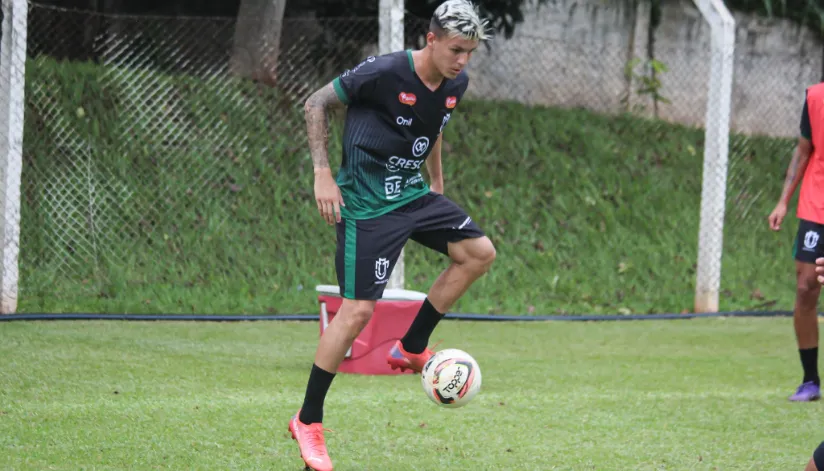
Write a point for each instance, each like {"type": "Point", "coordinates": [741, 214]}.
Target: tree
{"type": "Point", "coordinates": [257, 39]}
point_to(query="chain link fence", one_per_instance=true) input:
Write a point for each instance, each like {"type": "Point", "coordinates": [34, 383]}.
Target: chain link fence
{"type": "Point", "coordinates": [144, 132]}
{"type": "Point", "coordinates": [162, 172]}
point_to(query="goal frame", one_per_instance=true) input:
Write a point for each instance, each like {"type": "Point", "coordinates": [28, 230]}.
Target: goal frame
{"type": "Point", "coordinates": [391, 39]}
{"type": "Point", "coordinates": [716, 150]}
{"type": "Point", "coordinates": [12, 90]}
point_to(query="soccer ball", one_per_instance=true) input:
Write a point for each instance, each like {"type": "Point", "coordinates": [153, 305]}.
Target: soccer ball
{"type": "Point", "coordinates": [451, 378]}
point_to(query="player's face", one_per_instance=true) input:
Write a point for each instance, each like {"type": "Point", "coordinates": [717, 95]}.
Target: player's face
{"type": "Point", "coordinates": [451, 54]}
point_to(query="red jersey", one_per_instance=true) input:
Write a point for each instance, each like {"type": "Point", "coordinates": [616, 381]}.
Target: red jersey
{"type": "Point", "coordinates": [811, 196]}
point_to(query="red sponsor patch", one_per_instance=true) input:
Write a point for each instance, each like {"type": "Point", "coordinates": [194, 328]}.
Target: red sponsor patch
{"type": "Point", "coordinates": [407, 98]}
{"type": "Point", "coordinates": [451, 102]}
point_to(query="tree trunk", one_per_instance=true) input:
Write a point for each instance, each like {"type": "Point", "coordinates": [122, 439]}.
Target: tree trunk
{"type": "Point", "coordinates": [257, 39]}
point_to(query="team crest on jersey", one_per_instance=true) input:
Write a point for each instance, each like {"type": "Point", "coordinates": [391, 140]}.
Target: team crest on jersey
{"type": "Point", "coordinates": [451, 102]}
{"type": "Point", "coordinates": [407, 98]}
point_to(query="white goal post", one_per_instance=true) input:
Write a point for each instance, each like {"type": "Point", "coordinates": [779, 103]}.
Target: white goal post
{"type": "Point", "coordinates": [12, 80]}
{"type": "Point", "coordinates": [390, 39]}
{"type": "Point", "coordinates": [716, 149]}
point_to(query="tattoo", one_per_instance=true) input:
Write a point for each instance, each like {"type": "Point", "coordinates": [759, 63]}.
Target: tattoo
{"type": "Point", "coordinates": [798, 164]}
{"type": "Point", "coordinates": [792, 170]}
{"type": "Point", "coordinates": [317, 123]}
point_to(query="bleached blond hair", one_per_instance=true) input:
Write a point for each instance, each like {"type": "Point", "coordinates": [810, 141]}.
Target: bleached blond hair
{"type": "Point", "coordinates": [461, 18]}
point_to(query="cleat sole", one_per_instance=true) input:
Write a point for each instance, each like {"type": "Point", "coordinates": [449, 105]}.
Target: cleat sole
{"type": "Point", "coordinates": [403, 369]}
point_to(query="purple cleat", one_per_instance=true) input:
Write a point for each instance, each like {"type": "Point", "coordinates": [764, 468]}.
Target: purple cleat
{"type": "Point", "coordinates": [807, 392]}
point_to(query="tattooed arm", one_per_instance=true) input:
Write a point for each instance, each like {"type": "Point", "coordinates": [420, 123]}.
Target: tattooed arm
{"type": "Point", "coordinates": [317, 123]}
{"type": "Point", "coordinates": [795, 172]}
{"type": "Point", "coordinates": [327, 193]}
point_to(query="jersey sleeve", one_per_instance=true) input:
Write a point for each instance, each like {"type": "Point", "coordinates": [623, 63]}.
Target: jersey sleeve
{"type": "Point", "coordinates": [362, 81]}
{"type": "Point", "coordinates": [806, 128]}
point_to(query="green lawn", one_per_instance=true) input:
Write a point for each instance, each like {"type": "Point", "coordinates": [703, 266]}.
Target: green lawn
{"type": "Point", "coordinates": [705, 394]}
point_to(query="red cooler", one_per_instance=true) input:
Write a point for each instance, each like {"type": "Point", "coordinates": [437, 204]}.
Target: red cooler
{"type": "Point", "coordinates": [393, 315]}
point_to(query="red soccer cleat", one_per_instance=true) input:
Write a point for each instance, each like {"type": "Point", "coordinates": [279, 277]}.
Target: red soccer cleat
{"type": "Point", "coordinates": [312, 444]}
{"type": "Point", "coordinates": [400, 358]}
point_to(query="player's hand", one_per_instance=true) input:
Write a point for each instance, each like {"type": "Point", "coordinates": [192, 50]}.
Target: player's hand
{"type": "Point", "coordinates": [777, 216]}
{"type": "Point", "coordinates": [819, 269]}
{"type": "Point", "coordinates": [327, 196]}
{"type": "Point", "coordinates": [437, 187]}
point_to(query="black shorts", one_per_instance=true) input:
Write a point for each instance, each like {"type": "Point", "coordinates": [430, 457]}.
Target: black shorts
{"type": "Point", "coordinates": [368, 248]}
{"type": "Point", "coordinates": [808, 244]}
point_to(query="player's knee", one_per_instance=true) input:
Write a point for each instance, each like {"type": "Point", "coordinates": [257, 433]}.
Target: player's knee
{"type": "Point", "coordinates": [475, 254]}
{"type": "Point", "coordinates": [489, 253]}
{"type": "Point", "coordinates": [356, 314]}
{"type": "Point", "coordinates": [484, 254]}
{"type": "Point", "coordinates": [808, 289]}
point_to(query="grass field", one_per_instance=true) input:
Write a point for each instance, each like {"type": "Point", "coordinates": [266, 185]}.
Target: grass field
{"type": "Point", "coordinates": [704, 394]}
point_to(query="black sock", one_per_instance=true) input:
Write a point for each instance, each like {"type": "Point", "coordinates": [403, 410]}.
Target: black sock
{"type": "Point", "coordinates": [809, 361]}
{"type": "Point", "coordinates": [319, 382]}
{"type": "Point", "coordinates": [417, 337]}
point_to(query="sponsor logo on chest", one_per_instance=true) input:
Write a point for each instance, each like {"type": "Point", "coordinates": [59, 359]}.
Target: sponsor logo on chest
{"type": "Point", "coordinates": [410, 99]}
{"type": "Point", "coordinates": [407, 98]}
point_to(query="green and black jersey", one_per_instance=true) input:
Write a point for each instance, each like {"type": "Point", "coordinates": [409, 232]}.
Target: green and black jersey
{"type": "Point", "coordinates": [392, 122]}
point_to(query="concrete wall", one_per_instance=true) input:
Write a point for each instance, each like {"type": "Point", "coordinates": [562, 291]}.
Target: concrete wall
{"type": "Point", "coordinates": [573, 53]}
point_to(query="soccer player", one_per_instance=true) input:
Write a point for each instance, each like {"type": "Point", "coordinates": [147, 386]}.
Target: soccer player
{"type": "Point", "coordinates": [806, 168]}
{"type": "Point", "coordinates": [398, 105]}
{"type": "Point", "coordinates": [817, 461]}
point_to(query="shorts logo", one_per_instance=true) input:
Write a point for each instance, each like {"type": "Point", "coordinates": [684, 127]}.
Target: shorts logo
{"type": "Point", "coordinates": [464, 224]}
{"type": "Point", "coordinates": [401, 121]}
{"type": "Point", "coordinates": [810, 240]}
{"type": "Point", "coordinates": [451, 102]}
{"type": "Point", "coordinates": [381, 268]}
{"type": "Point", "coordinates": [420, 146]}
{"type": "Point", "coordinates": [407, 98]}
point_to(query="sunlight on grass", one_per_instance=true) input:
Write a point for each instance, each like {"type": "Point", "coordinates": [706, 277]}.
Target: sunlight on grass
{"type": "Point", "coordinates": [704, 394]}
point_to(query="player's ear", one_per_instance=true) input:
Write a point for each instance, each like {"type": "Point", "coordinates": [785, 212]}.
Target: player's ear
{"type": "Point", "coordinates": [430, 38]}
